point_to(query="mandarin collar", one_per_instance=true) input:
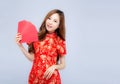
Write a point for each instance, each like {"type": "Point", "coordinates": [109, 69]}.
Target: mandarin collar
{"type": "Point", "coordinates": [51, 34]}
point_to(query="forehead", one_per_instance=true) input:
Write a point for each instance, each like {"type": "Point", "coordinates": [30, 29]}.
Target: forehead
{"type": "Point", "coordinates": [55, 16]}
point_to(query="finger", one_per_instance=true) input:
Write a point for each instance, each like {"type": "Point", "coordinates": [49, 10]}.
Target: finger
{"type": "Point", "coordinates": [18, 40]}
{"type": "Point", "coordinates": [19, 37]}
{"type": "Point", "coordinates": [49, 72]}
{"type": "Point", "coordinates": [45, 74]}
{"type": "Point", "coordinates": [49, 75]}
{"type": "Point", "coordinates": [18, 33]}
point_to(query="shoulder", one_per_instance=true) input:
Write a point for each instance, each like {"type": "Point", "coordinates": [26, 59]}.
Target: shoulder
{"type": "Point", "coordinates": [60, 40]}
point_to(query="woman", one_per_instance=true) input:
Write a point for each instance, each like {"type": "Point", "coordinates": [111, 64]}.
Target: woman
{"type": "Point", "coordinates": [46, 52]}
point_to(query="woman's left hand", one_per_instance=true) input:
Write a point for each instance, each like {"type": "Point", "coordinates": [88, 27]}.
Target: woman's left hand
{"type": "Point", "coordinates": [48, 73]}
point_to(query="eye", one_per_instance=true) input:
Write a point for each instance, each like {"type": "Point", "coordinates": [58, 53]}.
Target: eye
{"type": "Point", "coordinates": [55, 21]}
{"type": "Point", "coordinates": [49, 18]}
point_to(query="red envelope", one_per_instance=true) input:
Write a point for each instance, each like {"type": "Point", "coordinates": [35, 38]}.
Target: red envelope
{"type": "Point", "coordinates": [28, 31]}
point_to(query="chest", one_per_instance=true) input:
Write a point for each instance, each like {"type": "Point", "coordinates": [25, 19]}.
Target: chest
{"type": "Point", "coordinates": [46, 46]}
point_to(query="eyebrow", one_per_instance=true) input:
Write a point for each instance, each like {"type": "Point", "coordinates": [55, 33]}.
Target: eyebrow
{"type": "Point", "coordinates": [54, 19]}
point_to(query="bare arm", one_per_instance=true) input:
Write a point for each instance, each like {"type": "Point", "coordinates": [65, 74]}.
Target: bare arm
{"type": "Point", "coordinates": [29, 56]}
{"type": "Point", "coordinates": [62, 63]}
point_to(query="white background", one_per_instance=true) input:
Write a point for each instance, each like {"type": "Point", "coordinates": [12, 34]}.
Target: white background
{"type": "Point", "coordinates": [92, 33]}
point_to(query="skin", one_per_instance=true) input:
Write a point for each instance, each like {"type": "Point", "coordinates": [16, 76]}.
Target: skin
{"type": "Point", "coordinates": [52, 23]}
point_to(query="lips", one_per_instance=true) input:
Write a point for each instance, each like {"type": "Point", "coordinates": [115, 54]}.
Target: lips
{"type": "Point", "coordinates": [49, 26]}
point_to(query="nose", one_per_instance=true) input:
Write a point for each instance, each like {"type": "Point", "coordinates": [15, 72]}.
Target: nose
{"type": "Point", "coordinates": [50, 22]}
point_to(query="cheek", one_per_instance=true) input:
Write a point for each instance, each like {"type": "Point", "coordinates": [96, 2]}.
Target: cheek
{"type": "Point", "coordinates": [46, 22]}
{"type": "Point", "coordinates": [57, 25]}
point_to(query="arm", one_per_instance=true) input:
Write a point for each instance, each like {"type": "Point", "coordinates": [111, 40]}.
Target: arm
{"type": "Point", "coordinates": [62, 63]}
{"type": "Point", "coordinates": [61, 49]}
{"type": "Point", "coordinates": [28, 55]}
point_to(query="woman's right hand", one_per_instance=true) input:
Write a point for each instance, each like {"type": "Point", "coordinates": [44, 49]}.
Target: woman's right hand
{"type": "Point", "coordinates": [18, 38]}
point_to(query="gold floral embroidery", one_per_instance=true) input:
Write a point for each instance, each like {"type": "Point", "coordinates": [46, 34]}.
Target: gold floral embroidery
{"type": "Point", "coordinates": [46, 53]}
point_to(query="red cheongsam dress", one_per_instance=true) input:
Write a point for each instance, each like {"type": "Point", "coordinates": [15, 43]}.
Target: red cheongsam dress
{"type": "Point", "coordinates": [46, 53]}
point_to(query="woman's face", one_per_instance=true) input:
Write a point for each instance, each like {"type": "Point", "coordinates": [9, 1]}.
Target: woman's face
{"type": "Point", "coordinates": [52, 23]}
